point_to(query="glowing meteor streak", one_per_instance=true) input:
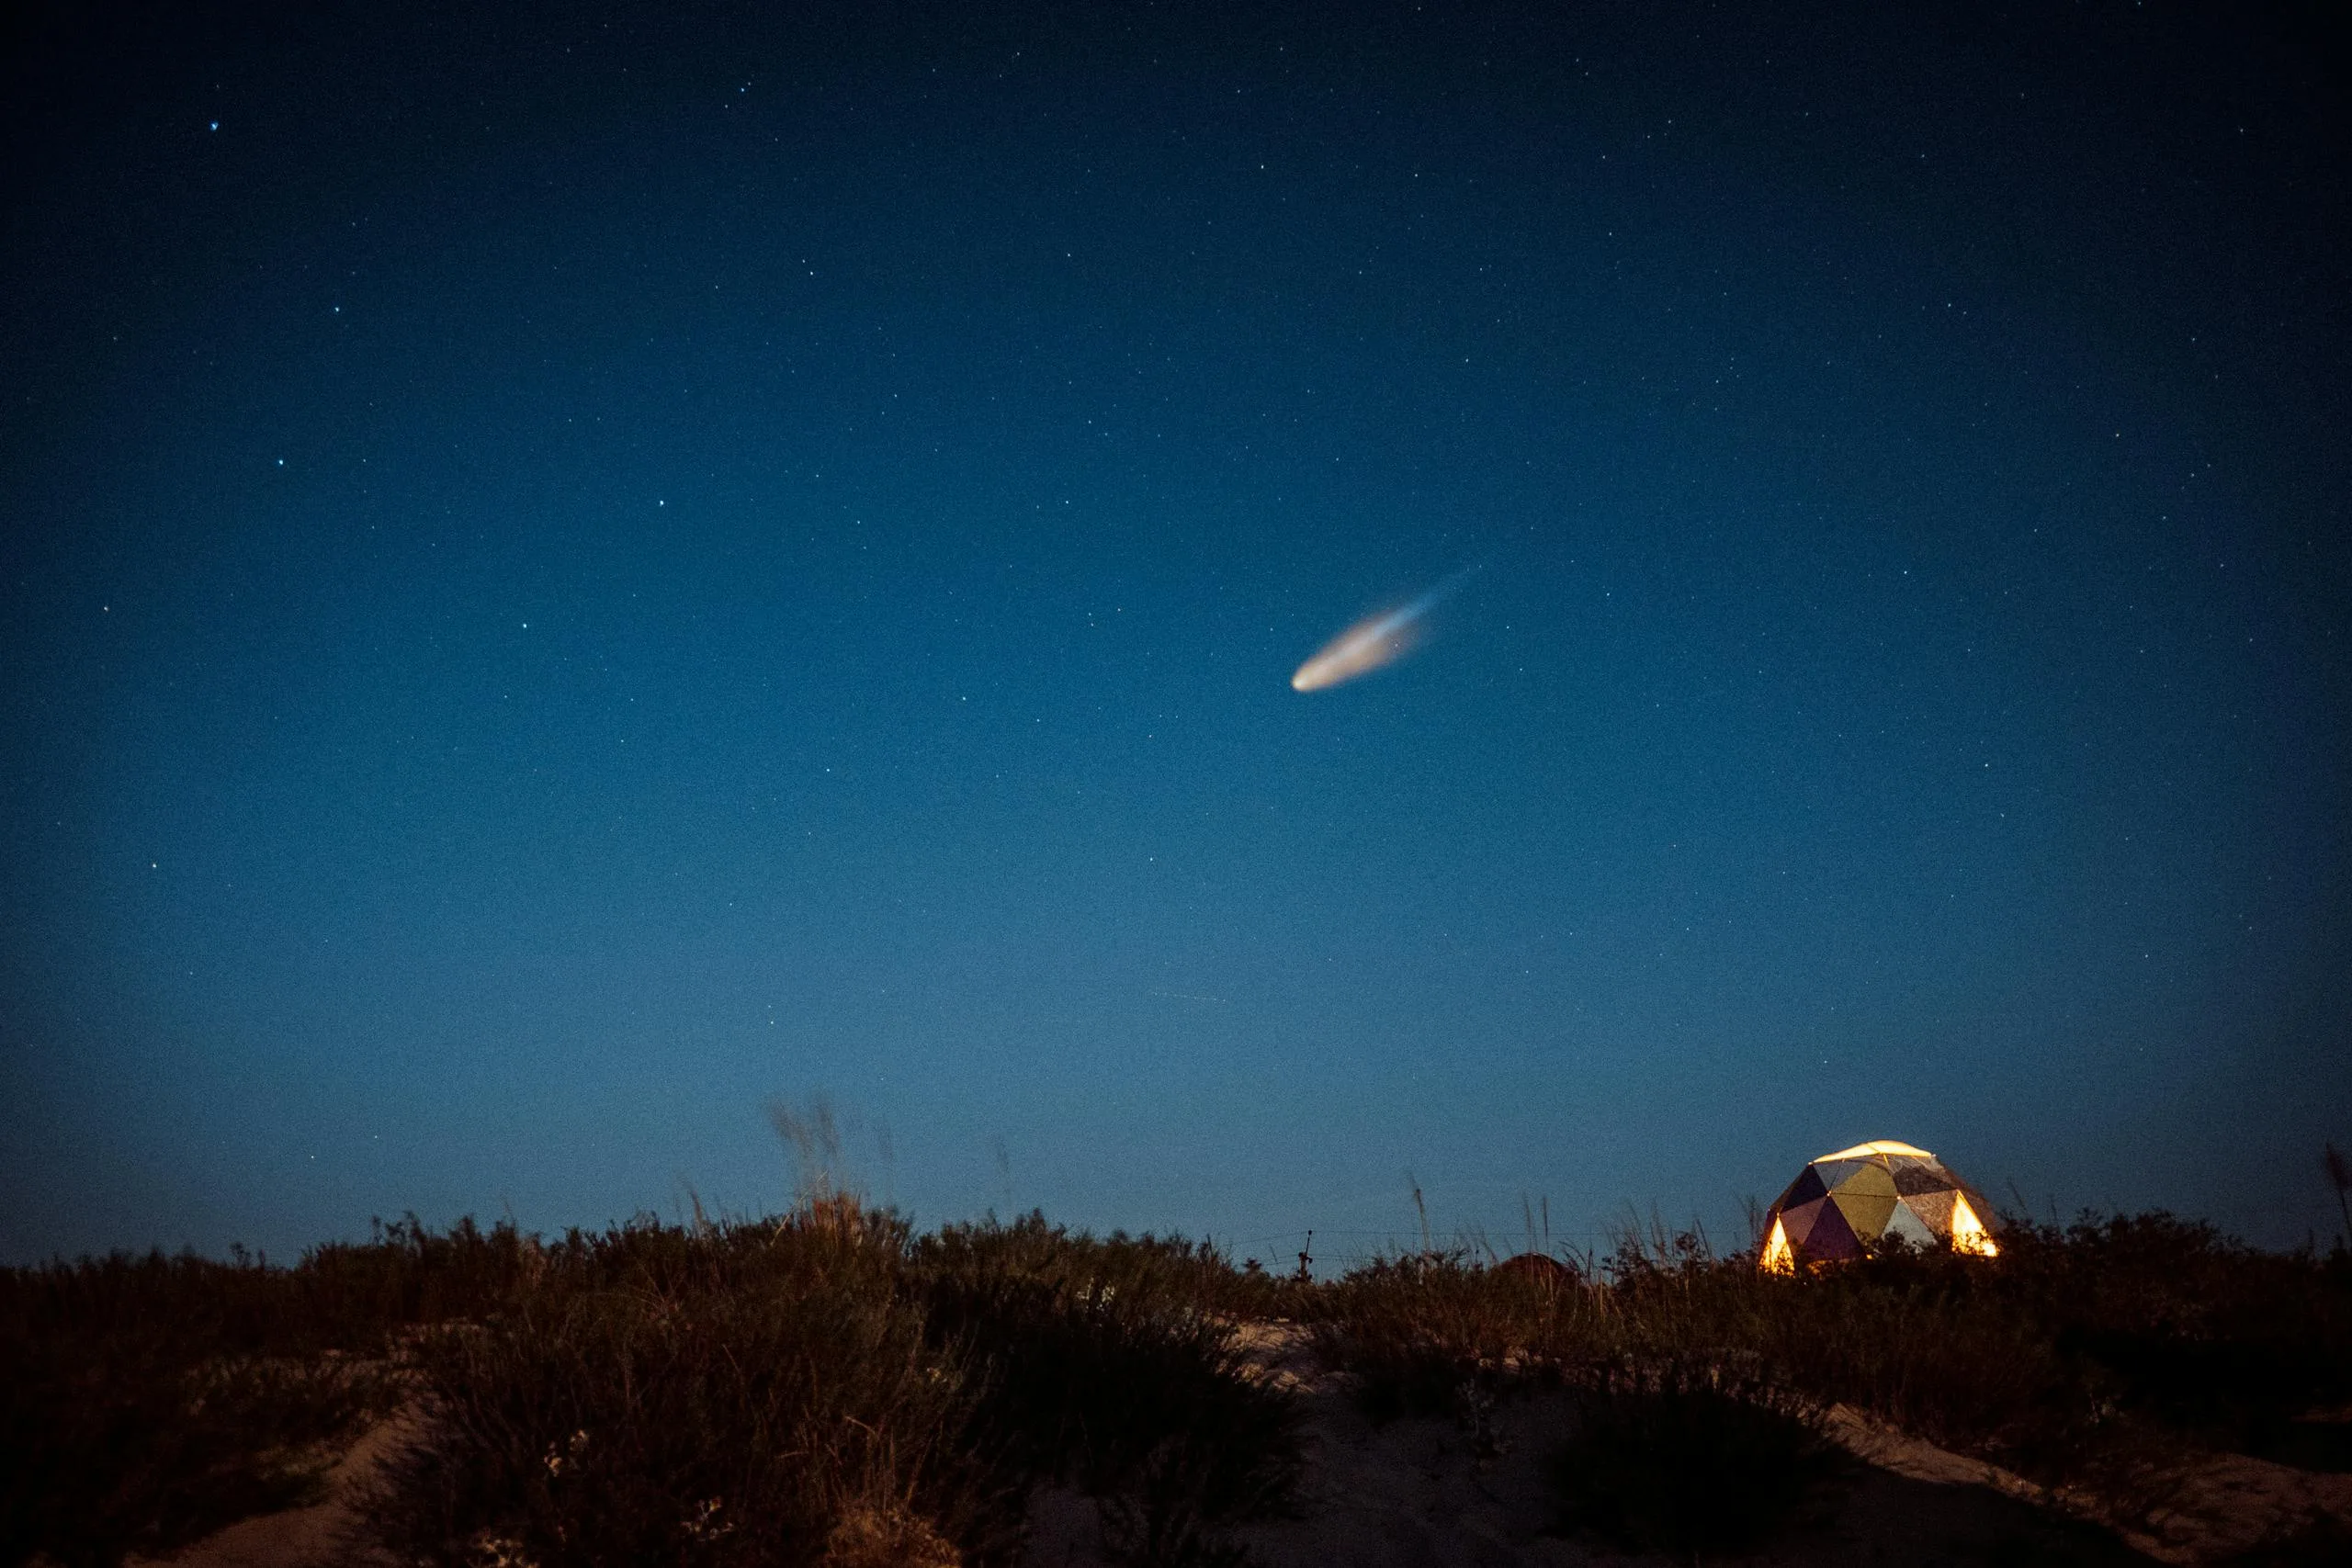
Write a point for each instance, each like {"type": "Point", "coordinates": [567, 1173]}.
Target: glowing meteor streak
{"type": "Point", "coordinates": [1372, 642]}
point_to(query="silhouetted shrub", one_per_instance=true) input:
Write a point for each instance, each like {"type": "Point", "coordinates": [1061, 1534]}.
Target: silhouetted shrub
{"type": "Point", "coordinates": [808, 1391]}
{"type": "Point", "coordinates": [755, 1393]}
{"type": "Point", "coordinates": [872, 1395]}
{"type": "Point", "coordinates": [1688, 1460]}
{"type": "Point", "coordinates": [144, 1401]}
{"type": "Point", "coordinates": [2186, 1327]}
{"type": "Point", "coordinates": [1415, 1329]}
{"type": "Point", "coordinates": [2079, 1349]}
{"type": "Point", "coordinates": [1103, 1364]}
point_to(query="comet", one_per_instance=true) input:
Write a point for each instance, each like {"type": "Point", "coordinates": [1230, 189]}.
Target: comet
{"type": "Point", "coordinates": [1375, 642]}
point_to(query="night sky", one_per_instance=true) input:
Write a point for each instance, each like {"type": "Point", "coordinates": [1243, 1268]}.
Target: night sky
{"type": "Point", "coordinates": [567, 573]}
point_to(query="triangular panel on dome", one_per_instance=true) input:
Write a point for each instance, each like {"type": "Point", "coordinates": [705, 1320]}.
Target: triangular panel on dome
{"type": "Point", "coordinates": [1799, 1220]}
{"type": "Point", "coordinates": [1934, 1210]}
{"type": "Point", "coordinates": [1871, 1180]}
{"type": "Point", "coordinates": [1831, 1239]}
{"type": "Point", "coordinates": [1776, 1254]}
{"type": "Point", "coordinates": [1921, 1176]}
{"type": "Point", "coordinates": [1969, 1232]}
{"type": "Point", "coordinates": [1836, 1173]}
{"type": "Point", "coordinates": [1903, 1224]}
{"type": "Point", "coordinates": [1805, 1189]}
{"type": "Point", "coordinates": [1865, 1211]}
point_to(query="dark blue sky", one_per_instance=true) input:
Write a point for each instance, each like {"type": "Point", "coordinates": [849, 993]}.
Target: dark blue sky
{"type": "Point", "coordinates": [566, 575]}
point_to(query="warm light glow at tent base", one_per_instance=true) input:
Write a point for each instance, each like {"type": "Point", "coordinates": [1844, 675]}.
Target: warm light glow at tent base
{"type": "Point", "coordinates": [1968, 1232]}
{"type": "Point", "coordinates": [1968, 1236]}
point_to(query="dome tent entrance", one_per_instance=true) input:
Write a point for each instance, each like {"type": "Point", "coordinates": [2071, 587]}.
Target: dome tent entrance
{"type": "Point", "coordinates": [1845, 1204]}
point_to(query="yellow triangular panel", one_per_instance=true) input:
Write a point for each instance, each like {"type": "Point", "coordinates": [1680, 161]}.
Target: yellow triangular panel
{"type": "Point", "coordinates": [1871, 1180]}
{"type": "Point", "coordinates": [1865, 1211]}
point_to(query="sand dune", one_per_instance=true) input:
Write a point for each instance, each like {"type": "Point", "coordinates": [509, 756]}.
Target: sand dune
{"type": "Point", "coordinates": [1434, 1493]}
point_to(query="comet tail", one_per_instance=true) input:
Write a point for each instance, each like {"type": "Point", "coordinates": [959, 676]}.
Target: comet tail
{"type": "Point", "coordinates": [1372, 642]}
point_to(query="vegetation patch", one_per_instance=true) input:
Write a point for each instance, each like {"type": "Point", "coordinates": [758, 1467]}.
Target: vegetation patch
{"type": "Point", "coordinates": [146, 1402]}
{"type": "Point", "coordinates": [1688, 1461]}
{"type": "Point", "coordinates": [746, 1395]}
{"type": "Point", "coordinates": [831, 1388]}
{"type": "Point", "coordinates": [1111, 1366]}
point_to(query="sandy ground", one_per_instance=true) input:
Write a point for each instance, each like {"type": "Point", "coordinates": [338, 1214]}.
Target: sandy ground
{"type": "Point", "coordinates": [300, 1538]}
{"type": "Point", "coordinates": [2221, 1506]}
{"type": "Point", "coordinates": [1422, 1494]}
{"type": "Point", "coordinates": [1416, 1493]}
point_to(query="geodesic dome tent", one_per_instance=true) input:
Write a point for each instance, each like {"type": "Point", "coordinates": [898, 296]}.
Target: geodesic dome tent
{"type": "Point", "coordinates": [1846, 1204]}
